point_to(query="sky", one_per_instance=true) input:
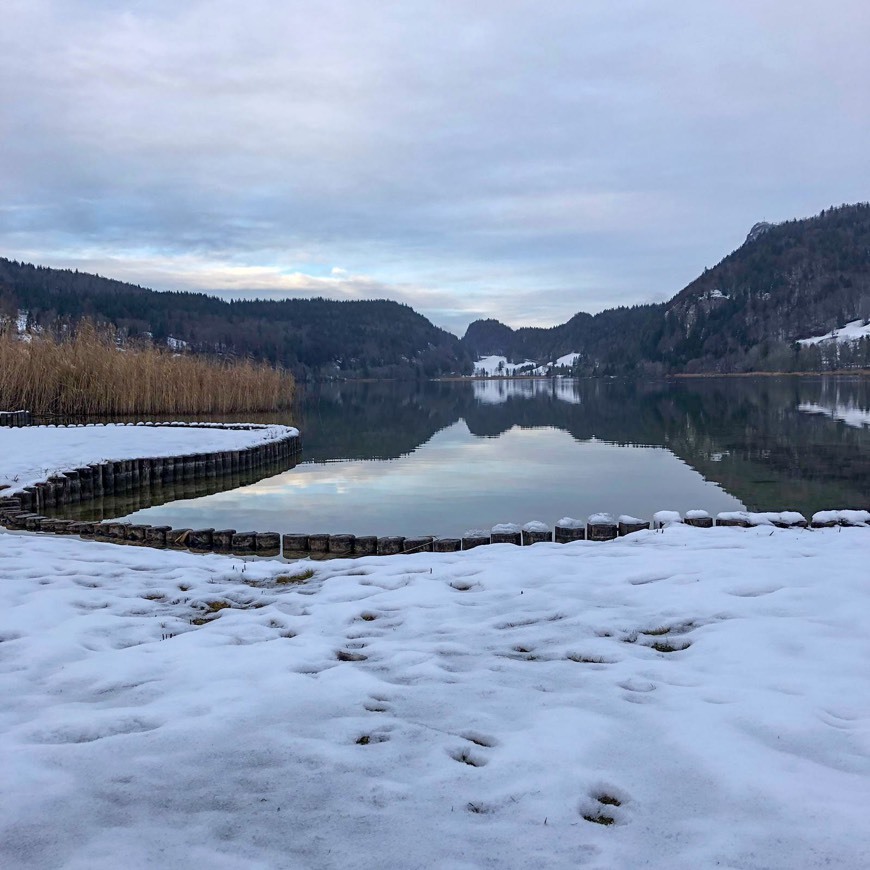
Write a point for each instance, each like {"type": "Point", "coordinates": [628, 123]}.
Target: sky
{"type": "Point", "coordinates": [507, 159]}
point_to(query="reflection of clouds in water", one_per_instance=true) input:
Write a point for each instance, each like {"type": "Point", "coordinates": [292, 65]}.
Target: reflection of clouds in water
{"type": "Point", "coordinates": [457, 481]}
{"type": "Point", "coordinates": [851, 415]}
{"type": "Point", "coordinates": [494, 392]}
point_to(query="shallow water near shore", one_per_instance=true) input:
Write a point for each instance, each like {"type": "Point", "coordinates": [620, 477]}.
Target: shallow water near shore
{"type": "Point", "coordinates": [440, 458]}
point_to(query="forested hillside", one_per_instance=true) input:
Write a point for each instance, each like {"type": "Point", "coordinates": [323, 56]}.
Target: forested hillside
{"type": "Point", "coordinates": [311, 337]}
{"type": "Point", "coordinates": [787, 282]}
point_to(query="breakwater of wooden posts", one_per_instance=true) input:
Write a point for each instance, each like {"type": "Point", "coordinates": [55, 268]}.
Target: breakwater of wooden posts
{"type": "Point", "coordinates": [42, 507]}
{"type": "Point", "coordinates": [16, 418]}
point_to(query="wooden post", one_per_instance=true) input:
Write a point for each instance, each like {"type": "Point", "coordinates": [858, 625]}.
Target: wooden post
{"type": "Point", "coordinates": [390, 545]}
{"type": "Point", "coordinates": [568, 529]}
{"type": "Point", "coordinates": [341, 544]}
{"type": "Point", "coordinates": [601, 527]}
{"type": "Point", "coordinates": [506, 533]}
{"type": "Point", "coordinates": [222, 540]}
{"type": "Point", "coordinates": [535, 533]}
{"type": "Point", "coordinates": [267, 543]}
{"type": "Point", "coordinates": [365, 545]}
{"type": "Point", "coordinates": [446, 545]}
{"type": "Point", "coordinates": [474, 538]}
{"type": "Point", "coordinates": [418, 545]}
{"type": "Point", "coordinates": [295, 544]}
{"type": "Point", "coordinates": [629, 525]}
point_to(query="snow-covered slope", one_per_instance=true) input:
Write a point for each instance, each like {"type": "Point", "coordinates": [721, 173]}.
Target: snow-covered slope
{"type": "Point", "coordinates": [703, 690]}
{"type": "Point", "coordinates": [852, 331]}
{"type": "Point", "coordinates": [498, 365]}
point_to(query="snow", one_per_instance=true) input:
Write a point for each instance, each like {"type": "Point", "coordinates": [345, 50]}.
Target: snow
{"type": "Point", "coordinates": [536, 526]}
{"type": "Point", "coordinates": [600, 518]}
{"type": "Point", "coordinates": [697, 515]}
{"type": "Point", "coordinates": [629, 520]}
{"type": "Point", "coordinates": [567, 360]}
{"type": "Point", "coordinates": [767, 518]}
{"type": "Point", "coordinates": [176, 343]}
{"type": "Point", "coordinates": [852, 331]}
{"type": "Point", "coordinates": [851, 415]}
{"type": "Point", "coordinates": [34, 453]}
{"type": "Point", "coordinates": [666, 518]}
{"type": "Point", "coordinates": [716, 294]}
{"type": "Point", "coordinates": [489, 366]}
{"type": "Point", "coordinates": [505, 529]}
{"type": "Point", "coordinates": [458, 710]}
{"type": "Point", "coordinates": [846, 518]}
{"type": "Point", "coordinates": [570, 523]}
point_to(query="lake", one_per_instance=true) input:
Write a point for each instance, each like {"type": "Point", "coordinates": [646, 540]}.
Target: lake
{"type": "Point", "coordinates": [443, 457]}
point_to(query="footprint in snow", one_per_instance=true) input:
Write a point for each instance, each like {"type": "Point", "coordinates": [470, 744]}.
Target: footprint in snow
{"type": "Point", "coordinates": [605, 805]}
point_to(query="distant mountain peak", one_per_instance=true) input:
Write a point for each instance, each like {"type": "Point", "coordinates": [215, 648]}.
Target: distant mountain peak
{"type": "Point", "coordinates": [758, 229]}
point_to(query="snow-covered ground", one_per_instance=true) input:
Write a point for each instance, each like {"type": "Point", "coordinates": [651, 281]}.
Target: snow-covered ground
{"type": "Point", "coordinates": [706, 690]}
{"type": "Point", "coordinates": [490, 366]}
{"type": "Point", "coordinates": [498, 365]}
{"type": "Point", "coordinates": [852, 331]}
{"type": "Point", "coordinates": [35, 453]}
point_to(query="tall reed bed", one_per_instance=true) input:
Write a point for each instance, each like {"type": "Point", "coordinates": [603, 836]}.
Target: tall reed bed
{"type": "Point", "coordinates": [89, 373]}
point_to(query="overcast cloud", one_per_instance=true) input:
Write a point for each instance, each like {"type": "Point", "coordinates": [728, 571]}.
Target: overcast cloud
{"type": "Point", "coordinates": [520, 160]}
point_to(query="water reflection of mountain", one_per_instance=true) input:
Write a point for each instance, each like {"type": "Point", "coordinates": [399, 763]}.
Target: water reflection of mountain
{"type": "Point", "coordinates": [754, 436]}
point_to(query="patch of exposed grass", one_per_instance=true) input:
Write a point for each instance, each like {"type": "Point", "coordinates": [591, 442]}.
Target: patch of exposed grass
{"type": "Point", "coordinates": [599, 818]}
{"type": "Point", "coordinates": [609, 800]}
{"type": "Point", "coordinates": [588, 660]}
{"type": "Point", "coordinates": [301, 577]}
{"type": "Point", "coordinates": [664, 646]}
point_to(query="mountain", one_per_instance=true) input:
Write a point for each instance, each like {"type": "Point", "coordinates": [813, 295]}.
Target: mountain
{"type": "Point", "coordinates": [790, 281]}
{"type": "Point", "coordinates": [786, 283]}
{"type": "Point", "coordinates": [311, 337]}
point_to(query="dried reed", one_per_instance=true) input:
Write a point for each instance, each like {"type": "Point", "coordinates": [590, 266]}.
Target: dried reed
{"type": "Point", "coordinates": [91, 374]}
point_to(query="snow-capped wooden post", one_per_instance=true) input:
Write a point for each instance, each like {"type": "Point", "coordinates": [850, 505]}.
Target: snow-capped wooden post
{"type": "Point", "coordinates": [628, 525]}
{"type": "Point", "coordinates": [506, 533]}
{"type": "Point", "coordinates": [446, 545]}
{"type": "Point", "coordinates": [601, 527]}
{"type": "Point", "coordinates": [568, 529]}
{"type": "Point", "coordinates": [536, 532]}
{"type": "Point", "coordinates": [698, 519]}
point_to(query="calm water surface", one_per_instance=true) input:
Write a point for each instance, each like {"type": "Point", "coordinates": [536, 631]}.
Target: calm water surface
{"type": "Point", "coordinates": [440, 458]}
